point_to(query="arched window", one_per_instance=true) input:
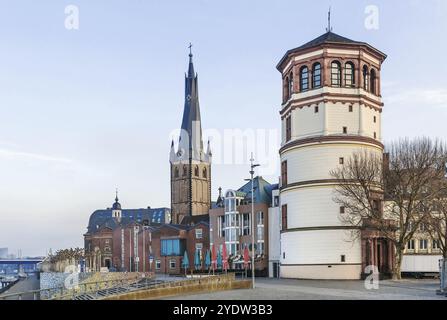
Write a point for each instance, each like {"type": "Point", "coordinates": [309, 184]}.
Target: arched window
{"type": "Point", "coordinates": [290, 84]}
{"type": "Point", "coordinates": [349, 74]}
{"type": "Point", "coordinates": [316, 75]}
{"type": "Point", "coordinates": [304, 78]}
{"type": "Point", "coordinates": [373, 81]}
{"type": "Point", "coordinates": [365, 78]}
{"type": "Point", "coordinates": [336, 74]}
{"type": "Point", "coordinates": [196, 171]}
{"type": "Point", "coordinates": [176, 173]}
{"type": "Point", "coordinates": [185, 171]}
{"type": "Point", "coordinates": [205, 173]}
{"type": "Point", "coordinates": [286, 89]}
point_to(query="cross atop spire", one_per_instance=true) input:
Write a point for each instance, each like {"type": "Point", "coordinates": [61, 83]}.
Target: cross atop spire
{"type": "Point", "coordinates": [329, 28]}
{"type": "Point", "coordinates": [190, 49]}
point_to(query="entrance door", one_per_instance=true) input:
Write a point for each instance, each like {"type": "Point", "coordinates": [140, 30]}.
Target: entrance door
{"type": "Point", "coordinates": [108, 263]}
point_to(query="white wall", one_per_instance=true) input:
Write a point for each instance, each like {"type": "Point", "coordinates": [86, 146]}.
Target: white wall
{"type": "Point", "coordinates": [315, 162]}
{"type": "Point", "coordinates": [319, 247]}
{"type": "Point", "coordinates": [420, 263]}
{"type": "Point", "coordinates": [330, 120]}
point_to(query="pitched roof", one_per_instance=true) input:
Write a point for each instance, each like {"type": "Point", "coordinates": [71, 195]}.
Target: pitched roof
{"type": "Point", "coordinates": [191, 220]}
{"type": "Point", "coordinates": [104, 218]}
{"type": "Point", "coordinates": [262, 190]}
{"type": "Point", "coordinates": [327, 38]}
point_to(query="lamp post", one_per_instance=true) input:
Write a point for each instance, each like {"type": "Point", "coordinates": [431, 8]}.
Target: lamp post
{"type": "Point", "coordinates": [252, 172]}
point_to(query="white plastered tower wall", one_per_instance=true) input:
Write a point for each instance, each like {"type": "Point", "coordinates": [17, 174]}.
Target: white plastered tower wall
{"type": "Point", "coordinates": [328, 125]}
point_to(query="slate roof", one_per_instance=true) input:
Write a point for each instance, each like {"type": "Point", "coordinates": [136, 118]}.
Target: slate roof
{"type": "Point", "coordinates": [103, 218]}
{"type": "Point", "coordinates": [188, 220]}
{"type": "Point", "coordinates": [327, 38]}
{"type": "Point", "coordinates": [262, 191]}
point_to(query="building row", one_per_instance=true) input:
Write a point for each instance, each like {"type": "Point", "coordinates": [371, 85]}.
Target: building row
{"type": "Point", "coordinates": [331, 108]}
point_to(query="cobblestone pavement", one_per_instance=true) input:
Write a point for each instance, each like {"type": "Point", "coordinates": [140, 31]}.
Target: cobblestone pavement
{"type": "Point", "coordinates": [287, 289]}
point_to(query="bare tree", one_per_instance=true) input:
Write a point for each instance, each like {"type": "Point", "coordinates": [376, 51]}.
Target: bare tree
{"type": "Point", "coordinates": [437, 219]}
{"type": "Point", "coordinates": [390, 194]}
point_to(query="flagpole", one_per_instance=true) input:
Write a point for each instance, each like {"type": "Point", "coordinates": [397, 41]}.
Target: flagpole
{"type": "Point", "coordinates": [252, 172]}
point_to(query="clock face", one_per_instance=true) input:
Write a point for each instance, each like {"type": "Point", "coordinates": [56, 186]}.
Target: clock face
{"type": "Point", "coordinates": [179, 153]}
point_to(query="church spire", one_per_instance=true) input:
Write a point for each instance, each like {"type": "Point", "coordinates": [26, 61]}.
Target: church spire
{"type": "Point", "coordinates": [191, 65]}
{"type": "Point", "coordinates": [190, 142]}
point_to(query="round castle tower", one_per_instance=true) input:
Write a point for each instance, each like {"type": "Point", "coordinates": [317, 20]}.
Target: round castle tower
{"type": "Point", "coordinates": [331, 108]}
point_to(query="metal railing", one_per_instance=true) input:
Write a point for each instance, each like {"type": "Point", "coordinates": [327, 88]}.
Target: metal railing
{"type": "Point", "coordinates": [95, 290]}
{"type": "Point", "coordinates": [61, 292]}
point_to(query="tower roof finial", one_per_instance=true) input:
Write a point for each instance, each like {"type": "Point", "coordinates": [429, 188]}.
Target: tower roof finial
{"type": "Point", "coordinates": [116, 195]}
{"type": "Point", "coordinates": [329, 28]}
{"type": "Point", "coordinates": [190, 50]}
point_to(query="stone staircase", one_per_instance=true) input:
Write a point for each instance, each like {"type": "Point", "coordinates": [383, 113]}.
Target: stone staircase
{"type": "Point", "coordinates": [103, 293]}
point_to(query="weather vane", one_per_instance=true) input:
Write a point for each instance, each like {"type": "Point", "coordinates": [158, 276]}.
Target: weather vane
{"type": "Point", "coordinates": [329, 28]}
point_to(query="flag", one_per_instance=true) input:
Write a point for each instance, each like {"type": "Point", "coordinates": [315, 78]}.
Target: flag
{"type": "Point", "coordinates": [224, 257]}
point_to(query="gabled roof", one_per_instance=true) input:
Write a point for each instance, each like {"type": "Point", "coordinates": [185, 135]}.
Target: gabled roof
{"type": "Point", "coordinates": [327, 38]}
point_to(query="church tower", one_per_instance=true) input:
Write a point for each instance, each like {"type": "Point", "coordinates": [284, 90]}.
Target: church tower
{"type": "Point", "coordinates": [332, 108]}
{"type": "Point", "coordinates": [190, 164]}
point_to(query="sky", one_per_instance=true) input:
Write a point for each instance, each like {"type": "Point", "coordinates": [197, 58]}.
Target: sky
{"type": "Point", "coordinates": [85, 111]}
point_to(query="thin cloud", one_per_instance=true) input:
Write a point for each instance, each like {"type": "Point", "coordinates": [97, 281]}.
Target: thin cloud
{"type": "Point", "coordinates": [11, 154]}
{"type": "Point", "coordinates": [424, 97]}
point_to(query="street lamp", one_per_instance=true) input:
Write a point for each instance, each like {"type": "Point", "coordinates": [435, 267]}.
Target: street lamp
{"type": "Point", "coordinates": [252, 172]}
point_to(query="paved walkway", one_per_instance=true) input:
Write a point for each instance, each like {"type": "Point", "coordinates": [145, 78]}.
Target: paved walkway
{"type": "Point", "coordinates": [286, 289]}
{"type": "Point", "coordinates": [28, 284]}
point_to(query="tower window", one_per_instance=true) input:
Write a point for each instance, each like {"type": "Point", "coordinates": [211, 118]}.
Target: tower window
{"type": "Point", "coordinates": [316, 78]}
{"type": "Point", "coordinates": [205, 173]}
{"type": "Point", "coordinates": [341, 160]}
{"type": "Point", "coordinates": [185, 171]}
{"type": "Point", "coordinates": [365, 78]}
{"type": "Point", "coordinates": [288, 128]}
{"type": "Point", "coordinates": [350, 108]}
{"type": "Point", "coordinates": [284, 217]}
{"type": "Point", "coordinates": [345, 130]}
{"type": "Point", "coordinates": [284, 173]}
{"type": "Point", "coordinates": [342, 210]}
{"type": "Point", "coordinates": [375, 135]}
{"type": "Point", "coordinates": [349, 74]}
{"type": "Point", "coordinates": [304, 79]}
{"type": "Point", "coordinates": [196, 171]}
{"type": "Point", "coordinates": [336, 74]}
{"type": "Point", "coordinates": [290, 84]}
{"type": "Point", "coordinates": [316, 109]}
{"type": "Point", "coordinates": [176, 173]}
{"type": "Point", "coordinates": [373, 81]}
{"type": "Point", "coordinates": [343, 258]}
{"type": "Point", "coordinates": [375, 119]}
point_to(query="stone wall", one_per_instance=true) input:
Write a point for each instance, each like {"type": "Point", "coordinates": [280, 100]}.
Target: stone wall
{"type": "Point", "coordinates": [208, 284]}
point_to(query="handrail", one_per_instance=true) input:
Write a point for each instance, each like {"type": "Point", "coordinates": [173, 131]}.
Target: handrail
{"type": "Point", "coordinates": [62, 289]}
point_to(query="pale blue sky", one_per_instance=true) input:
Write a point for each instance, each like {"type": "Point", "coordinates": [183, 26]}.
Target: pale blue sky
{"type": "Point", "coordinates": [85, 111]}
